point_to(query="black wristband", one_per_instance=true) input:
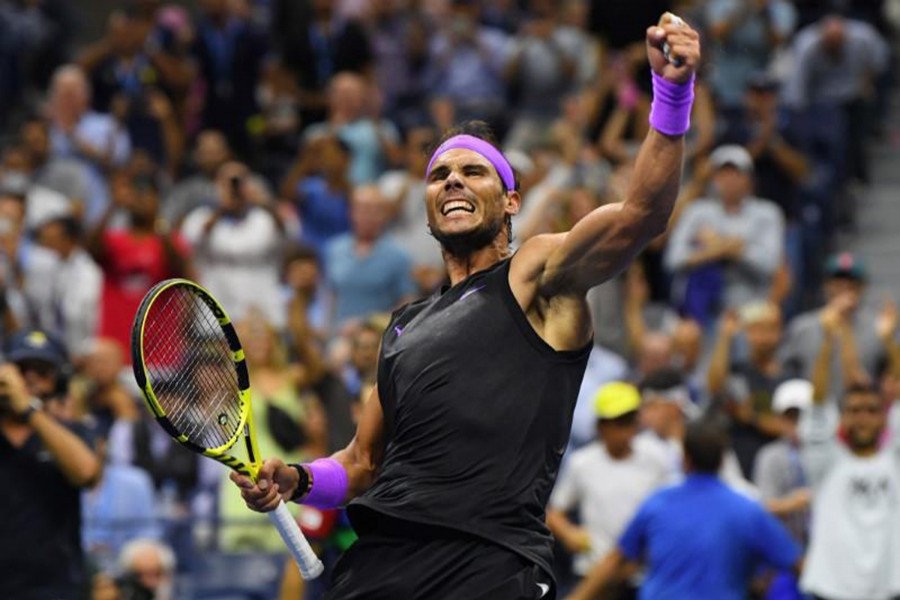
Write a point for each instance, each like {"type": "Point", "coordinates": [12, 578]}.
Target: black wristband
{"type": "Point", "coordinates": [303, 484]}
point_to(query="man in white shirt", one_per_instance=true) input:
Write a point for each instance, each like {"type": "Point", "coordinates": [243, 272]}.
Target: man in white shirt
{"type": "Point", "coordinates": [238, 246]}
{"type": "Point", "coordinates": [854, 548]}
{"type": "Point", "coordinates": [63, 283]}
{"type": "Point", "coordinates": [605, 480]}
{"type": "Point", "coordinates": [666, 411]}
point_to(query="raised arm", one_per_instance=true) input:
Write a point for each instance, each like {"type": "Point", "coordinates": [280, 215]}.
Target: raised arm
{"type": "Point", "coordinates": [607, 239]}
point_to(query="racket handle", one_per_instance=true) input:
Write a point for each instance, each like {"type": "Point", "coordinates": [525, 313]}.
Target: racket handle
{"type": "Point", "coordinates": [310, 565]}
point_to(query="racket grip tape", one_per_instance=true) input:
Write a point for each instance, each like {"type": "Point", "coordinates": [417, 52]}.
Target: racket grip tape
{"type": "Point", "coordinates": [310, 565]}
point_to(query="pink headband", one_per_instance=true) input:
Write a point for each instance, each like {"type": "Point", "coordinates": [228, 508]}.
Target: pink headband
{"type": "Point", "coordinates": [494, 156]}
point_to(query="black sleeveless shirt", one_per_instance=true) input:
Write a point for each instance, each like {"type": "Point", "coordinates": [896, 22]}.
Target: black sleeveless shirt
{"type": "Point", "coordinates": [477, 412]}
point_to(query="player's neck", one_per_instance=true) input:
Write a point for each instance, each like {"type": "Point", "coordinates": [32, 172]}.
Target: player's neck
{"type": "Point", "coordinates": [460, 267]}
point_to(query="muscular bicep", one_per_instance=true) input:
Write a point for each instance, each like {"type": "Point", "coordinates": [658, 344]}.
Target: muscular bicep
{"type": "Point", "coordinates": [596, 249]}
{"type": "Point", "coordinates": [362, 456]}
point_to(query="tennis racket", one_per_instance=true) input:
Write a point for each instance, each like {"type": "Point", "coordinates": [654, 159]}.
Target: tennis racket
{"type": "Point", "coordinates": [190, 366]}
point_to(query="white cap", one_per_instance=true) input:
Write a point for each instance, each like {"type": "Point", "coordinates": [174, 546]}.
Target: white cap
{"type": "Point", "coordinates": [733, 155]}
{"type": "Point", "coordinates": [793, 393]}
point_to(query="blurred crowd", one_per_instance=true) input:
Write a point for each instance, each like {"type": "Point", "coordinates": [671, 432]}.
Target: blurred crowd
{"type": "Point", "coordinates": [274, 151]}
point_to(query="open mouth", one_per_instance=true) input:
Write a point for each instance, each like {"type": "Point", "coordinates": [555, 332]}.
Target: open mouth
{"type": "Point", "coordinates": [456, 206]}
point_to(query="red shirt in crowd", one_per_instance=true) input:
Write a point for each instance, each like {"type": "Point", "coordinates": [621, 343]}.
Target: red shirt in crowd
{"type": "Point", "coordinates": [131, 266]}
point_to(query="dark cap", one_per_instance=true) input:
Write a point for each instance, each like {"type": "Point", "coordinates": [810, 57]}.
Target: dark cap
{"type": "Point", "coordinates": [763, 82]}
{"type": "Point", "coordinates": [34, 344]}
{"type": "Point", "coordinates": [845, 265]}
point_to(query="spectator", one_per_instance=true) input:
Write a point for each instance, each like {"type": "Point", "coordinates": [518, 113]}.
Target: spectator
{"type": "Point", "coordinates": [120, 508]}
{"type": "Point", "coordinates": [64, 176]}
{"type": "Point", "coordinates": [778, 471]}
{"type": "Point", "coordinates": [666, 412]}
{"type": "Point", "coordinates": [289, 421]}
{"type": "Point", "coordinates": [317, 187]}
{"type": "Point", "coordinates": [711, 553]}
{"type": "Point", "coordinates": [467, 62]}
{"type": "Point", "coordinates": [63, 283]}
{"type": "Point", "coordinates": [211, 151]}
{"type": "Point", "coordinates": [359, 373]}
{"type": "Point", "coordinates": [605, 481]}
{"type": "Point", "coordinates": [316, 44]}
{"type": "Point", "coordinates": [41, 451]}
{"type": "Point", "coordinates": [724, 251]}
{"type": "Point", "coordinates": [147, 570]}
{"type": "Point", "coordinates": [366, 270]}
{"type": "Point", "coordinates": [238, 245]}
{"type": "Point", "coordinates": [786, 176]}
{"type": "Point", "coordinates": [603, 367]}
{"type": "Point", "coordinates": [853, 323]}
{"type": "Point", "coordinates": [229, 52]}
{"type": "Point", "coordinates": [133, 258]}
{"type": "Point", "coordinates": [855, 480]}
{"type": "Point", "coordinates": [353, 117]}
{"type": "Point", "coordinates": [541, 71]}
{"type": "Point", "coordinates": [833, 82]}
{"type": "Point", "coordinates": [745, 385]}
{"type": "Point", "coordinates": [127, 82]}
{"type": "Point", "coordinates": [744, 38]}
{"type": "Point", "coordinates": [12, 218]}
{"type": "Point", "coordinates": [95, 139]}
{"type": "Point", "coordinates": [405, 189]}
{"type": "Point", "coordinates": [306, 304]}
{"type": "Point", "coordinates": [107, 401]}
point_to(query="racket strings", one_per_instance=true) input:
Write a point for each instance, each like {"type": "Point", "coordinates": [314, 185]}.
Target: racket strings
{"type": "Point", "coordinates": [191, 369]}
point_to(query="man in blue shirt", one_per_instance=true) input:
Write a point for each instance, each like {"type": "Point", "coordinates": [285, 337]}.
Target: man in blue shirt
{"type": "Point", "coordinates": [699, 539]}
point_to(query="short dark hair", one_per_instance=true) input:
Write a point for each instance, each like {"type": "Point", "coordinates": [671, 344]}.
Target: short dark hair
{"type": "Point", "coordinates": [859, 388]}
{"type": "Point", "coordinates": [482, 131]}
{"type": "Point", "coordinates": [705, 441]}
{"type": "Point", "coordinates": [70, 226]}
{"type": "Point", "coordinates": [661, 379]}
{"type": "Point", "coordinates": [297, 252]}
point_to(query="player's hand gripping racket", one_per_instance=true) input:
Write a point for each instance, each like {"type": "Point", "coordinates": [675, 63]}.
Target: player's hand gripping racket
{"type": "Point", "coordinates": [667, 51]}
{"type": "Point", "coordinates": [189, 364]}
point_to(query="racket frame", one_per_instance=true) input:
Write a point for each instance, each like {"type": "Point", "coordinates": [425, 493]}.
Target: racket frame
{"type": "Point", "coordinates": [309, 564]}
{"type": "Point", "coordinates": [249, 468]}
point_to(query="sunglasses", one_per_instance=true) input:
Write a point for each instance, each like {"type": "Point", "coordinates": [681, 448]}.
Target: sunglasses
{"type": "Point", "coordinates": [39, 367]}
{"type": "Point", "coordinates": [858, 410]}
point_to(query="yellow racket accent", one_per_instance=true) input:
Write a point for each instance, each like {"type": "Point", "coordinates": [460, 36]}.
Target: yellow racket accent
{"type": "Point", "coordinates": [190, 366]}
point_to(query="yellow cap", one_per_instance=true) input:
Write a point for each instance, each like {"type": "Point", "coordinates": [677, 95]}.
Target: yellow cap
{"type": "Point", "coordinates": [616, 399]}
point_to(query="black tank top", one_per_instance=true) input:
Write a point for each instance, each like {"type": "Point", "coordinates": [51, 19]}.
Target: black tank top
{"type": "Point", "coordinates": [477, 413]}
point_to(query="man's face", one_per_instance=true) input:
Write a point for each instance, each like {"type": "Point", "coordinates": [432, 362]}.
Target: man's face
{"type": "Point", "coordinates": [369, 213]}
{"type": "Point", "coordinates": [36, 139]}
{"type": "Point", "coordinates": [302, 274]}
{"type": "Point", "coordinates": [618, 433]}
{"type": "Point", "coordinates": [212, 151]}
{"type": "Point", "coordinates": [731, 183]}
{"type": "Point", "coordinates": [863, 419]}
{"type": "Point", "coordinates": [764, 334]}
{"type": "Point", "coordinates": [466, 202]}
{"type": "Point", "coordinates": [364, 355]}
{"type": "Point", "coordinates": [52, 236]}
{"type": "Point", "coordinates": [657, 414]}
{"type": "Point", "coordinates": [838, 286]}
{"type": "Point", "coordinates": [40, 377]}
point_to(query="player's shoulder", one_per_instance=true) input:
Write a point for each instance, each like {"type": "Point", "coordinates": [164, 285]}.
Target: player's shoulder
{"type": "Point", "coordinates": [530, 260]}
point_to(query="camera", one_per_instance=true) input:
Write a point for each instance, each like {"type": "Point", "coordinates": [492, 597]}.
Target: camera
{"type": "Point", "coordinates": [237, 182]}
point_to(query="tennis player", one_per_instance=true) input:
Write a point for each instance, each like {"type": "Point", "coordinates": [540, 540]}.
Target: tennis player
{"type": "Point", "coordinates": [458, 448]}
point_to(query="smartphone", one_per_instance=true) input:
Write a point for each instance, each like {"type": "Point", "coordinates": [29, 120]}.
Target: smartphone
{"type": "Point", "coordinates": [237, 183]}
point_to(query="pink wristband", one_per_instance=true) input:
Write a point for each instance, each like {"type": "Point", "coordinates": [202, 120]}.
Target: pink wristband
{"type": "Point", "coordinates": [670, 112]}
{"type": "Point", "coordinates": [329, 484]}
